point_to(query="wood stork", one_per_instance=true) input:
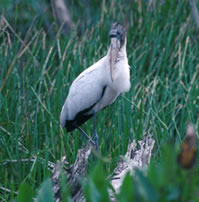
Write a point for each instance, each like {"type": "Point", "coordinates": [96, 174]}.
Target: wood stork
{"type": "Point", "coordinates": [98, 86]}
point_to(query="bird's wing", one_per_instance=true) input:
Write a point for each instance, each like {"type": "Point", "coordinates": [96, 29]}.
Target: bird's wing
{"type": "Point", "coordinates": [84, 93]}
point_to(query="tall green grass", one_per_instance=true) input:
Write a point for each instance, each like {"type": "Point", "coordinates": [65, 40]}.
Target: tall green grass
{"type": "Point", "coordinates": [35, 78]}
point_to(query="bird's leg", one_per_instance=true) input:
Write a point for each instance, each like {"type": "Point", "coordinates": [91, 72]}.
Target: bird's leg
{"type": "Point", "coordinates": [95, 136]}
{"type": "Point", "coordinates": [85, 134]}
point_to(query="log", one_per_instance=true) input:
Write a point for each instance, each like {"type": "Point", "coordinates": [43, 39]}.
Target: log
{"type": "Point", "coordinates": [72, 174]}
{"type": "Point", "coordinates": [137, 156]}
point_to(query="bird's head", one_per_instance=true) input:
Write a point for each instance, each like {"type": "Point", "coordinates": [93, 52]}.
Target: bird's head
{"type": "Point", "coordinates": [117, 35]}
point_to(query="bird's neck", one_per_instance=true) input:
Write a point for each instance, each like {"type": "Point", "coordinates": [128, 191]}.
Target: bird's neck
{"type": "Point", "coordinates": [122, 53]}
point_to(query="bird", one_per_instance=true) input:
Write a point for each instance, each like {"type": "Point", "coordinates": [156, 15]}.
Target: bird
{"type": "Point", "coordinates": [98, 86]}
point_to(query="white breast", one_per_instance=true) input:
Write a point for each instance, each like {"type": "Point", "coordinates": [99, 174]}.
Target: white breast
{"type": "Point", "coordinates": [121, 81]}
{"type": "Point", "coordinates": [120, 84]}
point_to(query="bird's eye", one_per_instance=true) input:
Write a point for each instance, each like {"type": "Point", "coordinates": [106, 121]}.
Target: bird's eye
{"type": "Point", "coordinates": [118, 33]}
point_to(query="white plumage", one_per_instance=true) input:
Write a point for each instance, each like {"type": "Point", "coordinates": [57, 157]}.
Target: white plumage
{"type": "Point", "coordinates": [97, 87]}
